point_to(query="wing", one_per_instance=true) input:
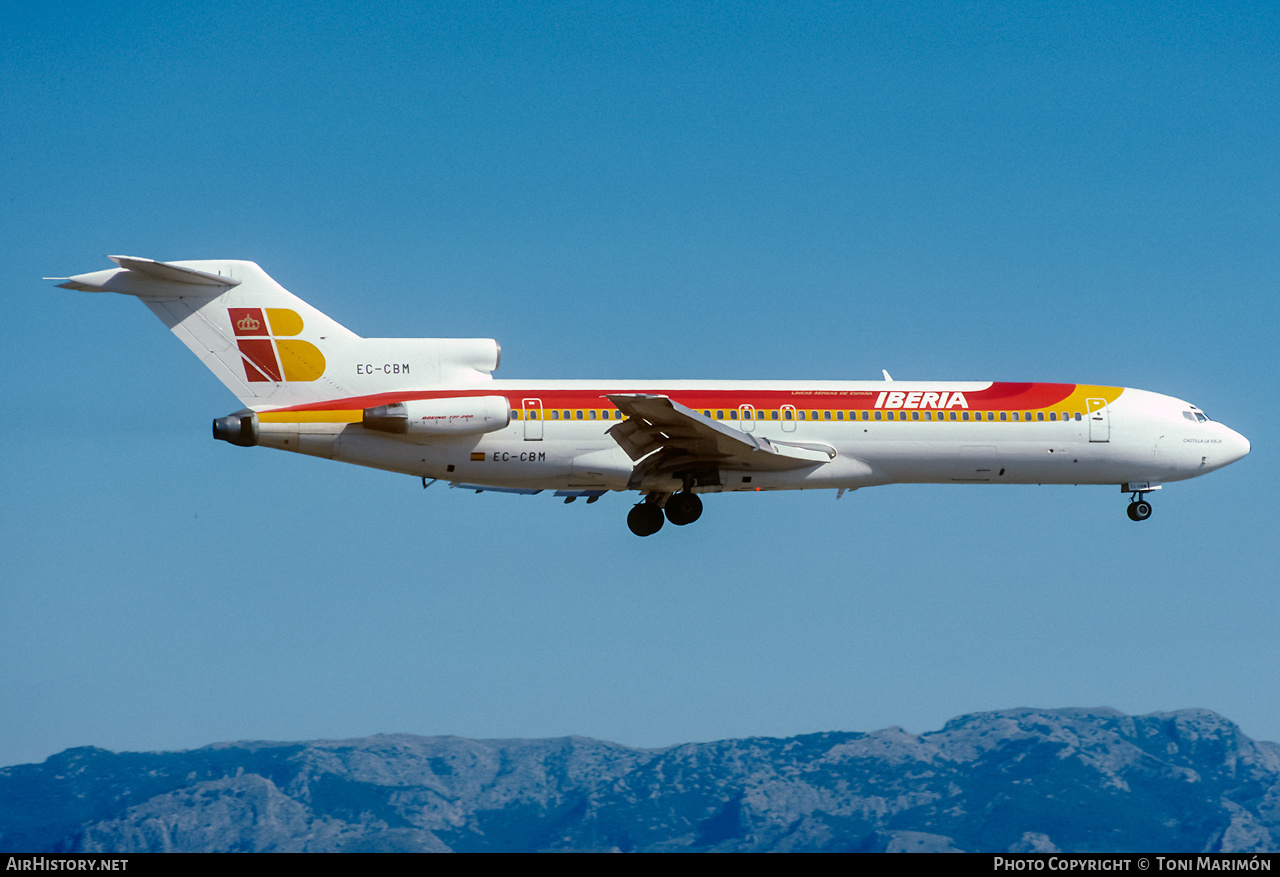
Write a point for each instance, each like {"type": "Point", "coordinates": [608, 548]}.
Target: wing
{"type": "Point", "coordinates": [664, 436]}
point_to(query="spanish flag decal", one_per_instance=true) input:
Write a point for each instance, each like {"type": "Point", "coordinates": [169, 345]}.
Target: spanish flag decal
{"type": "Point", "coordinates": [268, 351]}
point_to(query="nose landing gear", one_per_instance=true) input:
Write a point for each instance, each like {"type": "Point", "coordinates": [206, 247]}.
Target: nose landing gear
{"type": "Point", "coordinates": [1139, 508]}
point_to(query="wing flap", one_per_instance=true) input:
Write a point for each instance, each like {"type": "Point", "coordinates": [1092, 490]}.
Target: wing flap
{"type": "Point", "coordinates": [656, 423]}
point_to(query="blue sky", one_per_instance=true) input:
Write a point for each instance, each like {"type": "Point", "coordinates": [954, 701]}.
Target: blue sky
{"type": "Point", "coordinates": [1056, 192]}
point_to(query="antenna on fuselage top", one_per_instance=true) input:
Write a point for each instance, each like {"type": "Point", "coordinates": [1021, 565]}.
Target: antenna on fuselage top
{"type": "Point", "coordinates": [887, 376]}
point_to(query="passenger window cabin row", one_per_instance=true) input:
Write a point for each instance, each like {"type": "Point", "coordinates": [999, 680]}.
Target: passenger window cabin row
{"type": "Point", "coordinates": [785, 414]}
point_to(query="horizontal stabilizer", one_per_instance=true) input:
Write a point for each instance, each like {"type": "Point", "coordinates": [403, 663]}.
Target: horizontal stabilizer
{"type": "Point", "coordinates": [171, 273]}
{"type": "Point", "coordinates": [147, 278]}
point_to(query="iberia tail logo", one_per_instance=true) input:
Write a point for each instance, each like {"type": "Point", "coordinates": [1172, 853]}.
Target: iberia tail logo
{"type": "Point", "coordinates": [268, 351]}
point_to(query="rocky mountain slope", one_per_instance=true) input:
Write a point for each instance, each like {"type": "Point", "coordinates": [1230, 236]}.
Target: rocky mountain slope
{"type": "Point", "coordinates": [1016, 780]}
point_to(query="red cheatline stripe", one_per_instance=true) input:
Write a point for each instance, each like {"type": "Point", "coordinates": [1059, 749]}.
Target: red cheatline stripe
{"type": "Point", "coordinates": [997, 396]}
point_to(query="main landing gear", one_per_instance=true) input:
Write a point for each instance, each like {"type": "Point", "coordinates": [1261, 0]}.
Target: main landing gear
{"type": "Point", "coordinates": [646, 518]}
{"type": "Point", "coordinates": [1139, 509]}
{"type": "Point", "coordinates": [683, 508]}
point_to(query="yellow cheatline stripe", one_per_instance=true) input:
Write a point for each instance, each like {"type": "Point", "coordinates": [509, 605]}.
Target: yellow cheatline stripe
{"type": "Point", "coordinates": [354, 416]}
{"type": "Point", "coordinates": [1074, 402]}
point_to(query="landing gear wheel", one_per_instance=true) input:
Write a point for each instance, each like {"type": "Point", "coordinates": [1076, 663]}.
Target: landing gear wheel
{"type": "Point", "coordinates": [645, 519]}
{"type": "Point", "coordinates": [684, 508]}
{"type": "Point", "coordinates": [1139, 510]}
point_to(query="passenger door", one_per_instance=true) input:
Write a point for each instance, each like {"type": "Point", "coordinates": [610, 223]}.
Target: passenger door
{"type": "Point", "coordinates": [1099, 420]}
{"type": "Point", "coordinates": [532, 420]}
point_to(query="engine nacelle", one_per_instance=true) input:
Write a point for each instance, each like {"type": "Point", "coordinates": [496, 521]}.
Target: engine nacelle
{"type": "Point", "coordinates": [458, 415]}
{"type": "Point", "coordinates": [240, 428]}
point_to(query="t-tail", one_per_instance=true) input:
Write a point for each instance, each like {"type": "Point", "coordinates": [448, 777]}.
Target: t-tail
{"type": "Point", "coordinates": [272, 349]}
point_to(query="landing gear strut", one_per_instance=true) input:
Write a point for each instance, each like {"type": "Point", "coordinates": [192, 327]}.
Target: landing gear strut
{"type": "Point", "coordinates": [1139, 509]}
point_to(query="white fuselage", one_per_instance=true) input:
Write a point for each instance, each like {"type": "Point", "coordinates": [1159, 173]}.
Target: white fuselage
{"type": "Point", "coordinates": [557, 437]}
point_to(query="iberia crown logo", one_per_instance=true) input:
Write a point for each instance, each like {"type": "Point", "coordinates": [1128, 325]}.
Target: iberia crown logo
{"type": "Point", "coordinates": [268, 351]}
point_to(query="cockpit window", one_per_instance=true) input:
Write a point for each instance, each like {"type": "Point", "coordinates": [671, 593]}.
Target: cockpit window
{"type": "Point", "coordinates": [1203, 418]}
{"type": "Point", "coordinates": [1195, 416]}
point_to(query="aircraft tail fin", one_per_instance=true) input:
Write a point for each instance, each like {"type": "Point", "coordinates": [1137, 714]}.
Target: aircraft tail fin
{"type": "Point", "coordinates": [272, 349]}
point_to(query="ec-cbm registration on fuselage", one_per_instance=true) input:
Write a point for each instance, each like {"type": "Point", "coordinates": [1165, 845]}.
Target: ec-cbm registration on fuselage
{"type": "Point", "coordinates": [429, 407]}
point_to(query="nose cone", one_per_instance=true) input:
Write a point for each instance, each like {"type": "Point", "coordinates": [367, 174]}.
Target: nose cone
{"type": "Point", "coordinates": [1235, 446]}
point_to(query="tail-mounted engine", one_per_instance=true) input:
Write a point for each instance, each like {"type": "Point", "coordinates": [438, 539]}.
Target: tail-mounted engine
{"type": "Point", "coordinates": [240, 428]}
{"type": "Point", "coordinates": [459, 415]}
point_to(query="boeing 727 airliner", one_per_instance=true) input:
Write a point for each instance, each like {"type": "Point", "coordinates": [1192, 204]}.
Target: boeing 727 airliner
{"type": "Point", "coordinates": [429, 407]}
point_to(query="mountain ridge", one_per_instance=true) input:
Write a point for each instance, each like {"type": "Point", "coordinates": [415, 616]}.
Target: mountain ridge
{"type": "Point", "coordinates": [1023, 779]}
